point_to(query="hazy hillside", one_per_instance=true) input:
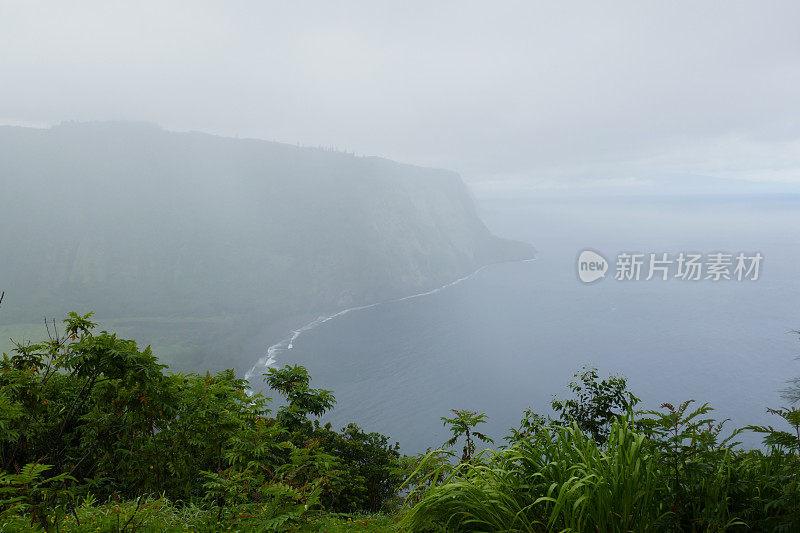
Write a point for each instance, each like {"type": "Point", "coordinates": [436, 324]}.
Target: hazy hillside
{"type": "Point", "coordinates": [186, 234]}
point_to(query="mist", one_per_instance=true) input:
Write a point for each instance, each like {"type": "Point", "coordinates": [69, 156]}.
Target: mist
{"type": "Point", "coordinates": [513, 95]}
{"type": "Point", "coordinates": [399, 266]}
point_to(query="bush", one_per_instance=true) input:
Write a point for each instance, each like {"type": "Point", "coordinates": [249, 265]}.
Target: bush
{"type": "Point", "coordinates": [88, 416]}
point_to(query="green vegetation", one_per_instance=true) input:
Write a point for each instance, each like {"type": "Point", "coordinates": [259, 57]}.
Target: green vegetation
{"type": "Point", "coordinates": [181, 342]}
{"type": "Point", "coordinates": [95, 436]}
{"type": "Point", "coordinates": [92, 431]}
{"type": "Point", "coordinates": [601, 466]}
{"type": "Point", "coordinates": [150, 227]}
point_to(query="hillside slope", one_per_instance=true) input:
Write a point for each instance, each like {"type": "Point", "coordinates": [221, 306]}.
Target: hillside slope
{"type": "Point", "coordinates": [133, 221]}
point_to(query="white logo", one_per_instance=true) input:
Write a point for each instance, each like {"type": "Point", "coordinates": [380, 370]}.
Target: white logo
{"type": "Point", "coordinates": [591, 266]}
{"type": "Point", "coordinates": [684, 266]}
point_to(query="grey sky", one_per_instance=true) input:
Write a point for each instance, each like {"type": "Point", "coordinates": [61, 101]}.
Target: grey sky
{"type": "Point", "coordinates": [508, 93]}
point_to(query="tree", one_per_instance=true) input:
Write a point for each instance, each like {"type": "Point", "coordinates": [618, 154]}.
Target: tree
{"type": "Point", "coordinates": [463, 423]}
{"type": "Point", "coordinates": [596, 403]}
{"type": "Point", "coordinates": [370, 465]}
{"type": "Point", "coordinates": [783, 440]}
{"type": "Point", "coordinates": [292, 382]}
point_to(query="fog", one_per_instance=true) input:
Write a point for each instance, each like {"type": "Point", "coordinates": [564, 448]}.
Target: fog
{"type": "Point", "coordinates": [284, 265]}
{"type": "Point", "coordinates": [511, 95]}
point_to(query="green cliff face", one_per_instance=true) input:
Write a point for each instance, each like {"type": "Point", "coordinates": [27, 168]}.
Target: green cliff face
{"type": "Point", "coordinates": [134, 221]}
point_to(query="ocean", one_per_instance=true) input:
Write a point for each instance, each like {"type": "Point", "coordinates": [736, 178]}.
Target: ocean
{"type": "Point", "coordinates": [512, 335]}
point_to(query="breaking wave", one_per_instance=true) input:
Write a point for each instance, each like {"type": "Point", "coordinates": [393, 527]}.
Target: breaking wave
{"type": "Point", "coordinates": [286, 344]}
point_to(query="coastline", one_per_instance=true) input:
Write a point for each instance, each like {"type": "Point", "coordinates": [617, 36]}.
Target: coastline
{"type": "Point", "coordinates": [287, 343]}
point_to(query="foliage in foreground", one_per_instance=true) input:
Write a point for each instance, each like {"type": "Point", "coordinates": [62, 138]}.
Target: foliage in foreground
{"type": "Point", "coordinates": [88, 417]}
{"type": "Point", "coordinates": [155, 515]}
{"type": "Point", "coordinates": [666, 470]}
{"type": "Point", "coordinates": [94, 436]}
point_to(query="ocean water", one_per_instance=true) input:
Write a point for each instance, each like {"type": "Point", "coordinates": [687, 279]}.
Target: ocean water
{"type": "Point", "coordinates": [511, 336]}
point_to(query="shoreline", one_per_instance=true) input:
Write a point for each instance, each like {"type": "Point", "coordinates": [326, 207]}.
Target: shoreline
{"type": "Point", "coordinates": [287, 343]}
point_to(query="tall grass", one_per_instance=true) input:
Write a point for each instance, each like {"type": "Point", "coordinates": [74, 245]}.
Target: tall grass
{"type": "Point", "coordinates": [560, 479]}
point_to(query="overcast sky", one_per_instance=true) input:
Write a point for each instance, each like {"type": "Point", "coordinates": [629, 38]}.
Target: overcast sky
{"type": "Point", "coordinates": [508, 94]}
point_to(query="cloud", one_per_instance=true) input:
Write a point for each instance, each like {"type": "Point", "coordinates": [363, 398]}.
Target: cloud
{"type": "Point", "coordinates": [554, 91]}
